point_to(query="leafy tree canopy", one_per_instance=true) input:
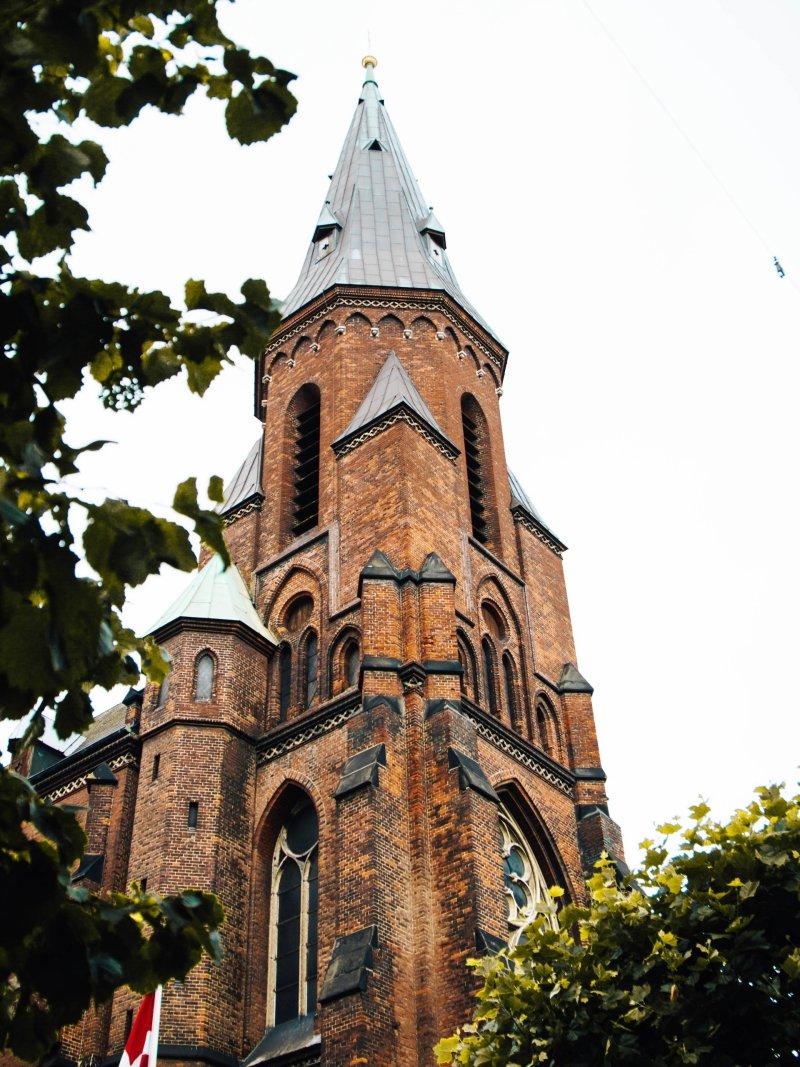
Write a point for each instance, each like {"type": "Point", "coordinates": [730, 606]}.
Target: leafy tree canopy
{"type": "Point", "coordinates": [61, 634]}
{"type": "Point", "coordinates": [696, 960]}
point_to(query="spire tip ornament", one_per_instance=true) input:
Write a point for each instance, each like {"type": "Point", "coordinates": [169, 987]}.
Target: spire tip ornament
{"type": "Point", "coordinates": [369, 61]}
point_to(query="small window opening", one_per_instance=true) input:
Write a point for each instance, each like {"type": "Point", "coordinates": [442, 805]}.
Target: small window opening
{"type": "Point", "coordinates": [375, 146]}
{"type": "Point", "coordinates": [284, 680]}
{"type": "Point", "coordinates": [143, 883]}
{"type": "Point", "coordinates": [511, 699]}
{"type": "Point", "coordinates": [477, 507]}
{"type": "Point", "coordinates": [306, 470]}
{"type": "Point", "coordinates": [312, 668]}
{"type": "Point", "coordinates": [156, 766]}
{"type": "Point", "coordinates": [352, 664]}
{"type": "Point", "coordinates": [128, 1023]}
{"type": "Point", "coordinates": [204, 677]}
{"type": "Point", "coordinates": [192, 819]}
{"type": "Point", "coordinates": [543, 726]}
{"type": "Point", "coordinates": [489, 675]}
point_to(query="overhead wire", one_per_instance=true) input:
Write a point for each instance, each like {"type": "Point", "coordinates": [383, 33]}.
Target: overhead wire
{"type": "Point", "coordinates": [708, 167]}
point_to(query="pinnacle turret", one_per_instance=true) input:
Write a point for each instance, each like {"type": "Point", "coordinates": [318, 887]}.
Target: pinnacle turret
{"type": "Point", "coordinates": [375, 227]}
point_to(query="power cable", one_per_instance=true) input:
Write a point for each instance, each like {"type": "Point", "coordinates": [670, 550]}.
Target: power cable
{"type": "Point", "coordinates": [732, 199]}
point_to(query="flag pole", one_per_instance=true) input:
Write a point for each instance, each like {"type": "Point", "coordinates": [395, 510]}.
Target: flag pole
{"type": "Point", "coordinates": [152, 1059]}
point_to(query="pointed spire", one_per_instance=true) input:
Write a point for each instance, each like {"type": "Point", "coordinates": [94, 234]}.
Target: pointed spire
{"type": "Point", "coordinates": [375, 228]}
{"type": "Point", "coordinates": [391, 390]}
{"type": "Point", "coordinates": [219, 594]}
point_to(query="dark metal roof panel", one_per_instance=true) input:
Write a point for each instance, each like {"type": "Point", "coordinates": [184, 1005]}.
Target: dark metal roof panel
{"type": "Point", "coordinates": [520, 499]}
{"type": "Point", "coordinates": [376, 198]}
{"type": "Point", "coordinates": [246, 482]}
{"type": "Point", "coordinates": [391, 388]}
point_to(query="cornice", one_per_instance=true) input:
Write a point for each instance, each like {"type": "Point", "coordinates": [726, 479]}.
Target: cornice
{"type": "Point", "coordinates": [523, 518]}
{"type": "Point", "coordinates": [552, 772]}
{"type": "Point", "coordinates": [218, 626]}
{"type": "Point", "coordinates": [119, 749]}
{"type": "Point", "coordinates": [297, 732]}
{"type": "Point", "coordinates": [394, 298]}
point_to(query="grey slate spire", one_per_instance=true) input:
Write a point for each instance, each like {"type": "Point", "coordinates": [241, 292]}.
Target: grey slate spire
{"type": "Point", "coordinates": [375, 228]}
{"type": "Point", "coordinates": [391, 390]}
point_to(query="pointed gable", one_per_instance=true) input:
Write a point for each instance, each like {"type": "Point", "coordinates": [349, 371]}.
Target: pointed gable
{"type": "Point", "coordinates": [388, 234]}
{"type": "Point", "coordinates": [392, 391]}
{"type": "Point", "coordinates": [218, 594]}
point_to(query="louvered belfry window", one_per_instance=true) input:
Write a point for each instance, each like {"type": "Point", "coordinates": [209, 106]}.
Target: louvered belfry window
{"type": "Point", "coordinates": [305, 503]}
{"type": "Point", "coordinates": [477, 494]}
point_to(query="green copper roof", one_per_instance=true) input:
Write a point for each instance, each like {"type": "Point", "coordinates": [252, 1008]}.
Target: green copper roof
{"type": "Point", "coordinates": [215, 593]}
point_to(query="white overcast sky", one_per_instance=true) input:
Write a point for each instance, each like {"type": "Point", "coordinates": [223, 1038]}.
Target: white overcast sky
{"type": "Point", "coordinates": [650, 404]}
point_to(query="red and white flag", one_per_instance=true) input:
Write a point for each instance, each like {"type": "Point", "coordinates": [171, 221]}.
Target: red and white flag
{"type": "Point", "coordinates": [141, 1048]}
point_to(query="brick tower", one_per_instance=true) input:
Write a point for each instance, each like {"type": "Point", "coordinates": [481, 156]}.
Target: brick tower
{"type": "Point", "coordinates": [374, 743]}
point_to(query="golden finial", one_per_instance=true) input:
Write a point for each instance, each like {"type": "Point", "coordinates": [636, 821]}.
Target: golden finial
{"type": "Point", "coordinates": [369, 61]}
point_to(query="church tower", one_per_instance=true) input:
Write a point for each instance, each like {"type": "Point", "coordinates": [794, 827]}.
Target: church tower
{"type": "Point", "coordinates": [374, 743]}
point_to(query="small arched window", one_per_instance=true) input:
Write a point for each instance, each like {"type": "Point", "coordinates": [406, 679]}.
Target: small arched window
{"type": "Point", "coordinates": [311, 668]}
{"type": "Point", "coordinates": [204, 677]}
{"type": "Point", "coordinates": [523, 880]}
{"type": "Point", "coordinates": [163, 689]}
{"type": "Point", "coordinates": [543, 729]}
{"type": "Point", "coordinates": [284, 680]}
{"type": "Point", "coordinates": [510, 687]}
{"type": "Point", "coordinates": [292, 979]}
{"type": "Point", "coordinates": [469, 679]}
{"type": "Point", "coordinates": [489, 675]}
{"type": "Point", "coordinates": [352, 663]}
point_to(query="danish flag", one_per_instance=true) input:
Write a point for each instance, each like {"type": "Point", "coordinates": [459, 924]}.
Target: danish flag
{"type": "Point", "coordinates": [141, 1048]}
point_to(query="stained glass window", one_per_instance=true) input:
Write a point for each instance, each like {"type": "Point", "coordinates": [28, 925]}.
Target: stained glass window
{"type": "Point", "coordinates": [524, 882]}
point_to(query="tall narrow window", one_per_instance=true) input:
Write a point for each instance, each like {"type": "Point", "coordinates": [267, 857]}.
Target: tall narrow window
{"type": "Point", "coordinates": [523, 880]}
{"type": "Point", "coordinates": [204, 677]}
{"type": "Point", "coordinates": [311, 668]}
{"type": "Point", "coordinates": [284, 680]}
{"type": "Point", "coordinates": [156, 766]}
{"type": "Point", "coordinates": [352, 663]}
{"type": "Point", "coordinates": [191, 820]}
{"type": "Point", "coordinates": [543, 729]}
{"type": "Point", "coordinates": [466, 657]}
{"type": "Point", "coordinates": [489, 675]}
{"type": "Point", "coordinates": [303, 442]}
{"type": "Point", "coordinates": [511, 689]}
{"type": "Point", "coordinates": [477, 456]}
{"type": "Point", "coordinates": [293, 924]}
{"type": "Point", "coordinates": [163, 689]}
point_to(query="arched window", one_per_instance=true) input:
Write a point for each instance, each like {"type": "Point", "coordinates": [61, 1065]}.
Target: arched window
{"type": "Point", "coordinates": [311, 661]}
{"type": "Point", "coordinates": [489, 675]}
{"type": "Point", "coordinates": [469, 675]}
{"type": "Point", "coordinates": [543, 729]}
{"type": "Point", "coordinates": [292, 979]}
{"type": "Point", "coordinates": [284, 680]}
{"type": "Point", "coordinates": [477, 456]}
{"type": "Point", "coordinates": [301, 506]}
{"type": "Point", "coordinates": [510, 687]}
{"type": "Point", "coordinates": [204, 677]}
{"type": "Point", "coordinates": [352, 663]}
{"type": "Point", "coordinates": [523, 880]}
{"type": "Point", "coordinates": [163, 689]}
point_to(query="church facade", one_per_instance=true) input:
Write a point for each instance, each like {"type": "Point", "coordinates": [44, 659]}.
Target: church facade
{"type": "Point", "coordinates": [374, 743]}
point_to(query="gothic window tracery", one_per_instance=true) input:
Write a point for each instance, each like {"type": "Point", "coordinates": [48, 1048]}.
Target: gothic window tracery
{"type": "Point", "coordinates": [523, 879]}
{"type": "Point", "coordinates": [292, 977]}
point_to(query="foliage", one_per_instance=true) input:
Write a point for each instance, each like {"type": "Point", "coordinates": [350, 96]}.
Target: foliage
{"type": "Point", "coordinates": [68, 65]}
{"type": "Point", "coordinates": [63, 946]}
{"type": "Point", "coordinates": [695, 961]}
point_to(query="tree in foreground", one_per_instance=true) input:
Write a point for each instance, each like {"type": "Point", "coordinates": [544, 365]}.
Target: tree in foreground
{"type": "Point", "coordinates": [93, 62]}
{"type": "Point", "coordinates": [696, 960]}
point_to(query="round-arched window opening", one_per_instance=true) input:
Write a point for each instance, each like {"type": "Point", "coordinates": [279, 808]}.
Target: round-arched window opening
{"type": "Point", "coordinates": [204, 677]}
{"type": "Point", "coordinates": [493, 621]}
{"type": "Point", "coordinates": [299, 613]}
